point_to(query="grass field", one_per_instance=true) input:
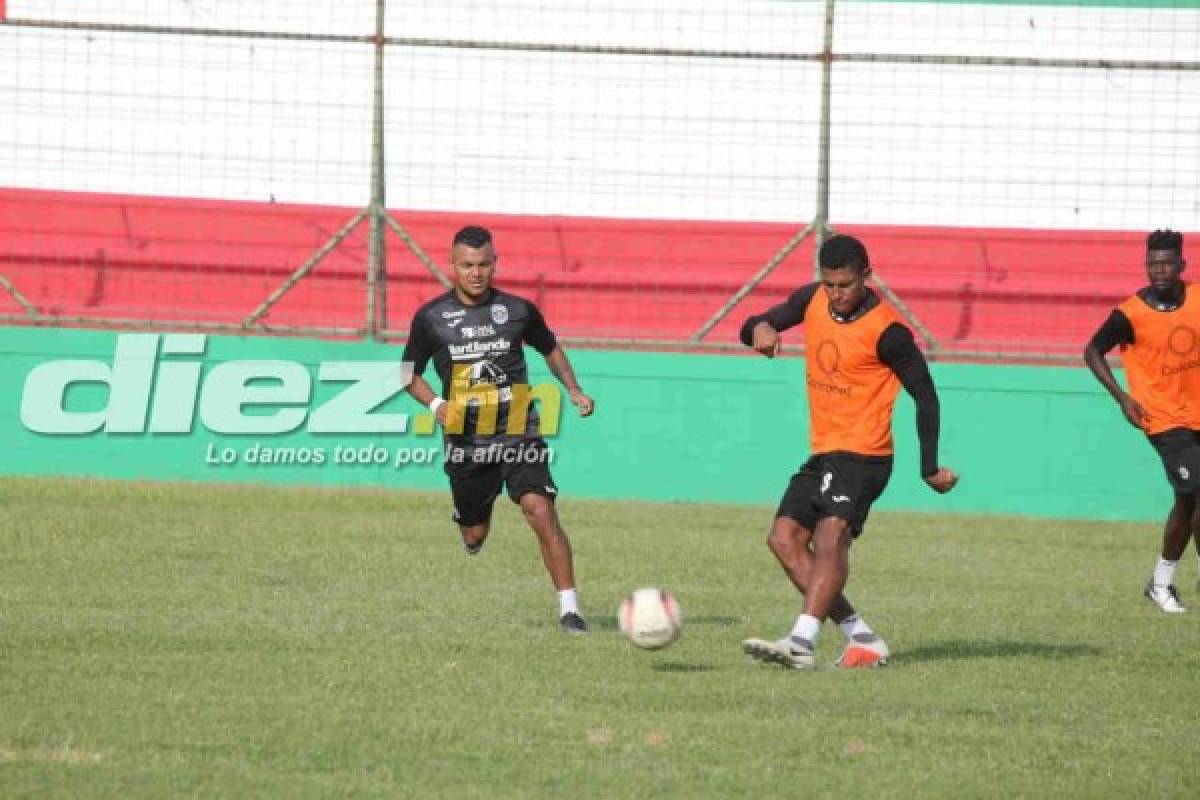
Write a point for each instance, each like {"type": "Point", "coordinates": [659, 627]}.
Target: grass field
{"type": "Point", "coordinates": [242, 642]}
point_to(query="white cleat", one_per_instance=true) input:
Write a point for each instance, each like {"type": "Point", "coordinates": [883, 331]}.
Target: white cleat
{"type": "Point", "coordinates": [1165, 597]}
{"type": "Point", "coordinates": [864, 650]}
{"type": "Point", "coordinates": [792, 653]}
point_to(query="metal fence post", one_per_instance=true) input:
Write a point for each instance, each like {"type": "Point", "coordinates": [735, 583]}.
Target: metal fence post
{"type": "Point", "coordinates": [377, 247]}
{"type": "Point", "coordinates": [820, 223]}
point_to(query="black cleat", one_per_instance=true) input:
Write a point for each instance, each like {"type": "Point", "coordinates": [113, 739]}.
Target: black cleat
{"type": "Point", "coordinates": [572, 623]}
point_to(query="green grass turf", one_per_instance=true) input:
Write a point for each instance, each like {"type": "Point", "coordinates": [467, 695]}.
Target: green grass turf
{"type": "Point", "coordinates": [162, 640]}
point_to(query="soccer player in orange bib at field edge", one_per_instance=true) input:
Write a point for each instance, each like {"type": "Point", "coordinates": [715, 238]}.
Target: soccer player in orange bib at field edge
{"type": "Point", "coordinates": [1158, 331]}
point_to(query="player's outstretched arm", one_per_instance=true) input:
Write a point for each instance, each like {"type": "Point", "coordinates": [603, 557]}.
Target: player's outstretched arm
{"type": "Point", "coordinates": [560, 365]}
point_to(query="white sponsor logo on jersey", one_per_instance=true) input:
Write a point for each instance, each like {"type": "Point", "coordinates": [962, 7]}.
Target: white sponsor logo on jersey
{"type": "Point", "coordinates": [477, 331]}
{"type": "Point", "coordinates": [471, 351]}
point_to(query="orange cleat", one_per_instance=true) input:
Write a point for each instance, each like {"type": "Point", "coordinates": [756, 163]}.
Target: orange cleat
{"type": "Point", "coordinates": [864, 650]}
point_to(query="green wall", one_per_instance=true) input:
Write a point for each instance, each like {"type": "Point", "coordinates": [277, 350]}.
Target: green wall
{"type": "Point", "coordinates": [1028, 440]}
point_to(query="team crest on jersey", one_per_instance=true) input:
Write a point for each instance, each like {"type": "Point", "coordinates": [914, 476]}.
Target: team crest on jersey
{"type": "Point", "coordinates": [499, 314]}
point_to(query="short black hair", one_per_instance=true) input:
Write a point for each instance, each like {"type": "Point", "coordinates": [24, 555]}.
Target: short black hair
{"type": "Point", "coordinates": [844, 251]}
{"type": "Point", "coordinates": [1165, 239]}
{"type": "Point", "coordinates": [472, 236]}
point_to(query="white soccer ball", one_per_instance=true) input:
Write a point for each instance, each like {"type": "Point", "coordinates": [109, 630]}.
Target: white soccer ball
{"type": "Point", "coordinates": [650, 618]}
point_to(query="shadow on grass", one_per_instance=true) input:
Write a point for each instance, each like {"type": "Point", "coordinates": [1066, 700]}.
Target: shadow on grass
{"type": "Point", "coordinates": [609, 623]}
{"type": "Point", "coordinates": [676, 666]}
{"type": "Point", "coordinates": [961, 648]}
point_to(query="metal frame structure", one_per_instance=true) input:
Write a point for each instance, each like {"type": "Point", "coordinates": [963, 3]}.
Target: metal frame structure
{"type": "Point", "coordinates": [380, 221]}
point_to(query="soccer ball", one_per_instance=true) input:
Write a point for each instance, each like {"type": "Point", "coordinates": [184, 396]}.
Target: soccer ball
{"type": "Point", "coordinates": [650, 618]}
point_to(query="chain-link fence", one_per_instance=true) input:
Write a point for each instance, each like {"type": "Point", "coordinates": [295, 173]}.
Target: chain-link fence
{"type": "Point", "coordinates": [652, 171]}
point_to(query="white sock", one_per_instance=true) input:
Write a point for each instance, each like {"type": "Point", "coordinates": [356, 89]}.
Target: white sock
{"type": "Point", "coordinates": [1164, 572]}
{"type": "Point", "coordinates": [568, 602]}
{"type": "Point", "coordinates": [806, 628]}
{"type": "Point", "coordinates": [854, 624]}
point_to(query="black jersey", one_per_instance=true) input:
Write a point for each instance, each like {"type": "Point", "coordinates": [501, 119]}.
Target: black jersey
{"type": "Point", "coordinates": [485, 342]}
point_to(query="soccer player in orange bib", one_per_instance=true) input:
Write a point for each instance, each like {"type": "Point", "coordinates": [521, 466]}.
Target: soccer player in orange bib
{"type": "Point", "coordinates": [857, 356]}
{"type": "Point", "coordinates": [1158, 331]}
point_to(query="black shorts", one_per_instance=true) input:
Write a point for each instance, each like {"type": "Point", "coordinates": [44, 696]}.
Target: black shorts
{"type": "Point", "coordinates": [477, 474]}
{"type": "Point", "coordinates": [1179, 449]}
{"type": "Point", "coordinates": [835, 485]}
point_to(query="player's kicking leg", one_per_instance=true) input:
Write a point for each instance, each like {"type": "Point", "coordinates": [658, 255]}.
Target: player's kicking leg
{"type": "Point", "coordinates": [790, 543]}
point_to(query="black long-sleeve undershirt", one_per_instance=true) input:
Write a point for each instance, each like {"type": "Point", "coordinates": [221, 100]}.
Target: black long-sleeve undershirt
{"type": "Point", "coordinates": [1116, 330]}
{"type": "Point", "coordinates": [895, 348]}
{"type": "Point", "coordinates": [898, 350]}
{"type": "Point", "coordinates": [787, 314]}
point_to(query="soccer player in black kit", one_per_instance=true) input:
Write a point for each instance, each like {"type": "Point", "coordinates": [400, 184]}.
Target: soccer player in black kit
{"type": "Point", "coordinates": [474, 335]}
